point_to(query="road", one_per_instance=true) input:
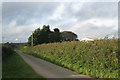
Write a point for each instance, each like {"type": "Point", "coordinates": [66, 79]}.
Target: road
{"type": "Point", "coordinates": [47, 69]}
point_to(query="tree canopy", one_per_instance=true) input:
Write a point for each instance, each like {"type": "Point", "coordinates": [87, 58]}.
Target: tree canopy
{"type": "Point", "coordinates": [68, 36]}
{"type": "Point", "coordinates": [45, 35]}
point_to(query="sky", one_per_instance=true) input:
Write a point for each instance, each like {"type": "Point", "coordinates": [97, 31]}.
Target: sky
{"type": "Point", "coordinates": [86, 19]}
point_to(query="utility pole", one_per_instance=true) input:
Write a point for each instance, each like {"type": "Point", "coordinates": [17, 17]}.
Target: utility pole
{"type": "Point", "coordinates": [32, 39]}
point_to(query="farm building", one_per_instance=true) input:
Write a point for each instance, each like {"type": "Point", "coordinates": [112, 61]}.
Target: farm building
{"type": "Point", "coordinates": [89, 39]}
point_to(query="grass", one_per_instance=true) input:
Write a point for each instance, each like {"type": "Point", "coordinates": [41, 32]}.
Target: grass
{"type": "Point", "coordinates": [15, 67]}
{"type": "Point", "coordinates": [98, 59]}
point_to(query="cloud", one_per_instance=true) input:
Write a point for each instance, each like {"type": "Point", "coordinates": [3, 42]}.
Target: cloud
{"type": "Point", "coordinates": [57, 14]}
{"type": "Point", "coordinates": [95, 27]}
{"type": "Point", "coordinates": [97, 10]}
{"type": "Point", "coordinates": [90, 18]}
{"type": "Point", "coordinates": [22, 33]}
{"type": "Point", "coordinates": [26, 13]}
{"type": "Point", "coordinates": [76, 7]}
{"type": "Point", "coordinates": [104, 22]}
{"type": "Point", "coordinates": [98, 22]}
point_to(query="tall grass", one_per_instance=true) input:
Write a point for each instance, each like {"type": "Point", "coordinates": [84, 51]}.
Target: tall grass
{"type": "Point", "coordinates": [98, 59]}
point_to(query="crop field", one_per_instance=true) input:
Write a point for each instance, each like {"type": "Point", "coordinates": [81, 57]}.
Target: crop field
{"type": "Point", "coordinates": [98, 59]}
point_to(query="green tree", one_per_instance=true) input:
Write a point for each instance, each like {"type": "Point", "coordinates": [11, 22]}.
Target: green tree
{"type": "Point", "coordinates": [68, 36]}
{"type": "Point", "coordinates": [29, 40]}
{"type": "Point", "coordinates": [44, 35]}
{"type": "Point", "coordinates": [55, 36]}
{"type": "Point", "coordinates": [40, 36]}
{"type": "Point", "coordinates": [56, 30]}
{"type": "Point", "coordinates": [36, 36]}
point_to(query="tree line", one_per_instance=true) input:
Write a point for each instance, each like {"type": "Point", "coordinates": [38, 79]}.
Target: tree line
{"type": "Point", "coordinates": [45, 35]}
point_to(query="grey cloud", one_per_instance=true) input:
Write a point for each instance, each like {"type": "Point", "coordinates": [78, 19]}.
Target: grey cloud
{"type": "Point", "coordinates": [91, 31]}
{"type": "Point", "coordinates": [29, 12]}
{"type": "Point", "coordinates": [98, 9]}
{"type": "Point", "coordinates": [26, 12]}
{"type": "Point", "coordinates": [89, 10]}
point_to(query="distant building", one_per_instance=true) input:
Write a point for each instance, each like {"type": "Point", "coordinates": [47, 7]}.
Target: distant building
{"type": "Point", "coordinates": [89, 39]}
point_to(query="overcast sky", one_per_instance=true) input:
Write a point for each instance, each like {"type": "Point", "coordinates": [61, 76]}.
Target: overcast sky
{"type": "Point", "coordinates": [86, 19]}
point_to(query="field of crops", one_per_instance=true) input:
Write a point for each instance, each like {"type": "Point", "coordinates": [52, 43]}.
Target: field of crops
{"type": "Point", "coordinates": [98, 59]}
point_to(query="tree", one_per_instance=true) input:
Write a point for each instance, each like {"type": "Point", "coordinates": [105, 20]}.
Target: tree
{"type": "Point", "coordinates": [56, 30]}
{"type": "Point", "coordinates": [68, 36]}
{"type": "Point", "coordinates": [55, 36]}
{"type": "Point", "coordinates": [29, 40]}
{"type": "Point", "coordinates": [44, 35]}
{"type": "Point", "coordinates": [40, 36]}
{"type": "Point", "coordinates": [36, 36]}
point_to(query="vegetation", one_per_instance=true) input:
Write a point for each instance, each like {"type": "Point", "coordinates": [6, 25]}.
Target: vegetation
{"type": "Point", "coordinates": [7, 50]}
{"type": "Point", "coordinates": [45, 35]}
{"type": "Point", "coordinates": [13, 66]}
{"type": "Point", "coordinates": [68, 36]}
{"type": "Point", "coordinates": [98, 59]}
{"type": "Point", "coordinates": [54, 36]}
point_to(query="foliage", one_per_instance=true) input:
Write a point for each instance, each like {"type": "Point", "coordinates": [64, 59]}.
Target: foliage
{"type": "Point", "coordinates": [56, 30]}
{"type": "Point", "coordinates": [40, 36]}
{"type": "Point", "coordinates": [68, 36]}
{"type": "Point", "coordinates": [7, 50]}
{"type": "Point", "coordinates": [98, 59]}
{"type": "Point", "coordinates": [44, 35]}
{"type": "Point", "coordinates": [54, 36]}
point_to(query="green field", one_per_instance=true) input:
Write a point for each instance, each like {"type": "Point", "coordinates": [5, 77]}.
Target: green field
{"type": "Point", "coordinates": [13, 66]}
{"type": "Point", "coordinates": [98, 59]}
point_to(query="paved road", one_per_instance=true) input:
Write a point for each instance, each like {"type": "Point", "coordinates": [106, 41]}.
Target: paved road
{"type": "Point", "coordinates": [47, 69]}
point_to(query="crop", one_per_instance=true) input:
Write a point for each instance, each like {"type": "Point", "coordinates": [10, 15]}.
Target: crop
{"type": "Point", "coordinates": [98, 59]}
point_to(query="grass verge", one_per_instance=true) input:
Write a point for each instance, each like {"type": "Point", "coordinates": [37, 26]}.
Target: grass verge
{"type": "Point", "coordinates": [15, 67]}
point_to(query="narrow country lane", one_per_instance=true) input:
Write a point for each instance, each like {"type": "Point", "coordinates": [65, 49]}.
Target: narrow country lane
{"type": "Point", "coordinates": [47, 69]}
